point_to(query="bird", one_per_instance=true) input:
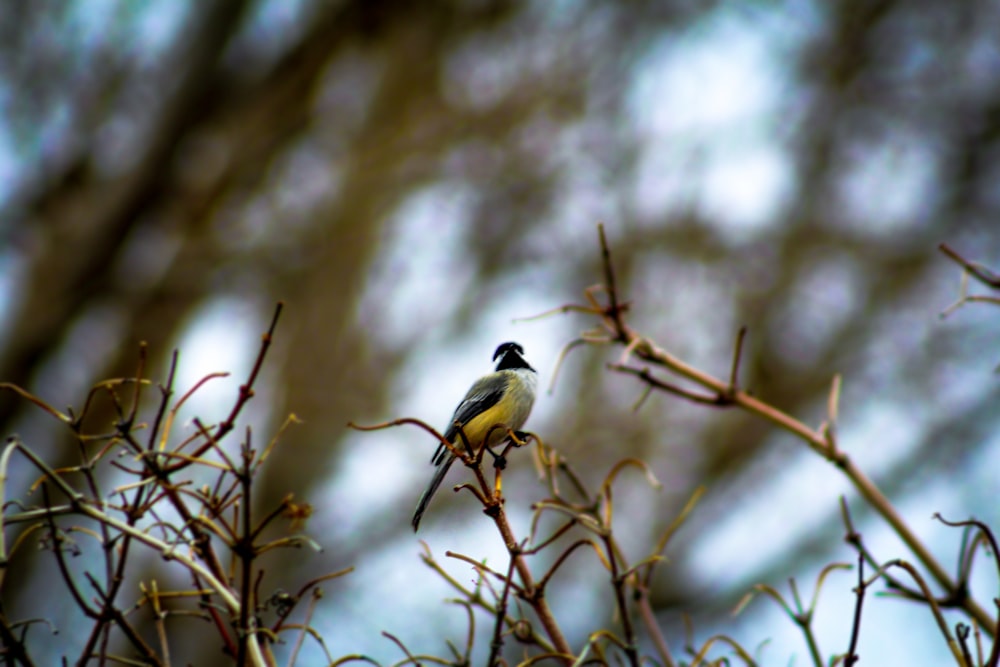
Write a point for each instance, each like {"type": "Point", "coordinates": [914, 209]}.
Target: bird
{"type": "Point", "coordinates": [504, 397]}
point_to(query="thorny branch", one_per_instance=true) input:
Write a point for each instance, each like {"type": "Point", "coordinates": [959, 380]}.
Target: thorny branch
{"type": "Point", "coordinates": [131, 517]}
{"type": "Point", "coordinates": [489, 495]}
{"type": "Point", "coordinates": [822, 440]}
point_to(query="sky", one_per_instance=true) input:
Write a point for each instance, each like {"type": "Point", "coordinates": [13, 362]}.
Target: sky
{"type": "Point", "coordinates": [721, 93]}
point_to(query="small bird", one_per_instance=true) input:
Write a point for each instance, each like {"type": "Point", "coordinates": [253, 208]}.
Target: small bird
{"type": "Point", "coordinates": [502, 397]}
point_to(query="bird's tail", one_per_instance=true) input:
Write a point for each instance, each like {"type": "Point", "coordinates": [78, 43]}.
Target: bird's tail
{"type": "Point", "coordinates": [425, 499]}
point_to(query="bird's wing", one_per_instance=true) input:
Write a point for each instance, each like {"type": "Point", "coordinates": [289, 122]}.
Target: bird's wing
{"type": "Point", "coordinates": [482, 396]}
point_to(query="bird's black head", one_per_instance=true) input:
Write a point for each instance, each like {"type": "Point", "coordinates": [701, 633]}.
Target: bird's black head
{"type": "Point", "coordinates": [507, 347]}
{"type": "Point", "coordinates": [510, 355]}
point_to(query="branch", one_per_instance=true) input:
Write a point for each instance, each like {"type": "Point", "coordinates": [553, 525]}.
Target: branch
{"type": "Point", "coordinates": [820, 440]}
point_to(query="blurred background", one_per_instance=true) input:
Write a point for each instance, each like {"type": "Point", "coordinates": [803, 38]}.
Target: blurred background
{"type": "Point", "coordinates": [410, 178]}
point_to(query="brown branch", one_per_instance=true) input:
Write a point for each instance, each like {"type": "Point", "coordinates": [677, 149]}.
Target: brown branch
{"type": "Point", "coordinates": [114, 614]}
{"type": "Point", "coordinates": [652, 627]}
{"type": "Point", "coordinates": [994, 658]}
{"type": "Point", "coordinates": [244, 548]}
{"type": "Point", "coordinates": [618, 584]}
{"type": "Point", "coordinates": [851, 656]}
{"type": "Point", "coordinates": [614, 310]}
{"type": "Point", "coordinates": [166, 391]}
{"type": "Point", "coordinates": [496, 644]}
{"type": "Point", "coordinates": [976, 270]}
{"type": "Point", "coordinates": [246, 389]}
{"type": "Point", "coordinates": [816, 439]}
{"type": "Point", "coordinates": [56, 536]}
{"type": "Point", "coordinates": [721, 399]}
{"type": "Point", "coordinates": [534, 595]}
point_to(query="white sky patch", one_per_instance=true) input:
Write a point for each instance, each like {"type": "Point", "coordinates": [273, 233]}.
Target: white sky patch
{"type": "Point", "coordinates": [269, 27]}
{"type": "Point", "coordinates": [223, 336]}
{"type": "Point", "coordinates": [272, 18]}
{"type": "Point", "coordinates": [143, 32]}
{"type": "Point", "coordinates": [770, 522]}
{"type": "Point", "coordinates": [707, 106]}
{"type": "Point", "coordinates": [880, 434]}
{"type": "Point", "coordinates": [157, 25]}
{"type": "Point", "coordinates": [744, 190]}
{"type": "Point", "coordinates": [359, 493]}
{"type": "Point", "coordinates": [587, 192]}
{"type": "Point", "coordinates": [88, 21]}
{"type": "Point", "coordinates": [983, 473]}
{"type": "Point", "coordinates": [783, 511]}
{"type": "Point", "coordinates": [149, 28]}
{"type": "Point", "coordinates": [421, 266]}
{"type": "Point", "coordinates": [706, 81]}
{"type": "Point", "coordinates": [887, 185]}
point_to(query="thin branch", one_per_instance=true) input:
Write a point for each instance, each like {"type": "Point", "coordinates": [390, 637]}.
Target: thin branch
{"type": "Point", "coordinates": [851, 656]}
{"type": "Point", "coordinates": [978, 271]}
{"type": "Point", "coordinates": [816, 439]}
{"type": "Point", "coordinates": [496, 644]}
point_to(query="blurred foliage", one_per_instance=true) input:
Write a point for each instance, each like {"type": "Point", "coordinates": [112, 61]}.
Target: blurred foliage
{"type": "Point", "coordinates": [161, 157]}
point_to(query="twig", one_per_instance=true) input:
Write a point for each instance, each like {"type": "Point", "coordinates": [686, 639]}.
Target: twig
{"type": "Point", "coordinates": [978, 271]}
{"type": "Point", "coordinates": [169, 551]}
{"type": "Point", "coordinates": [246, 389]}
{"type": "Point", "coordinates": [852, 649]}
{"type": "Point", "coordinates": [816, 439]}
{"type": "Point", "coordinates": [496, 644]}
{"type": "Point", "coordinates": [314, 600]}
{"type": "Point", "coordinates": [394, 639]}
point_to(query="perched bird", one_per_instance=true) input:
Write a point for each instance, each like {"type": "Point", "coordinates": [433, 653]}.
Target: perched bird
{"type": "Point", "coordinates": [502, 397]}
